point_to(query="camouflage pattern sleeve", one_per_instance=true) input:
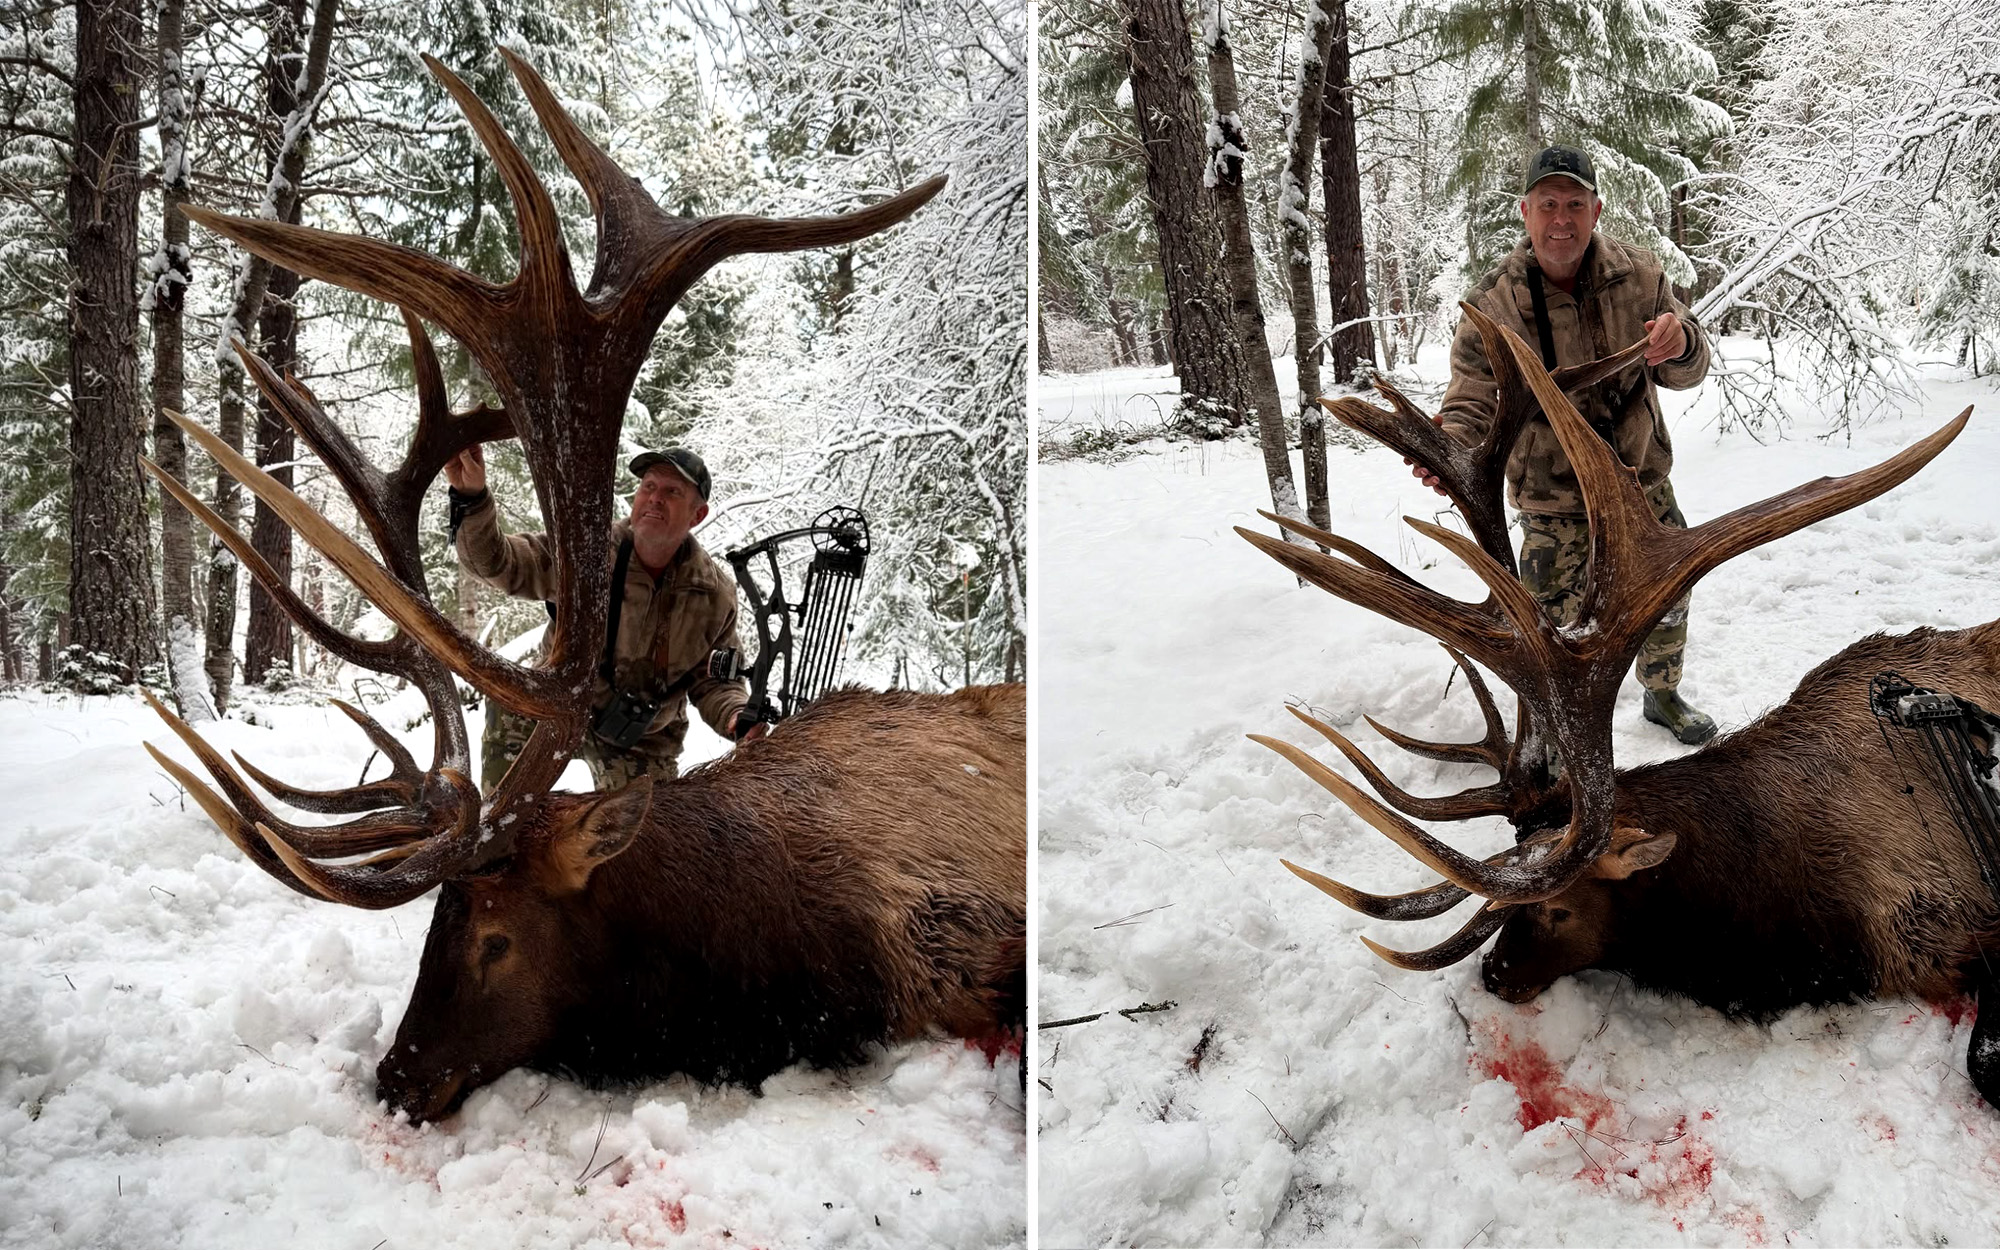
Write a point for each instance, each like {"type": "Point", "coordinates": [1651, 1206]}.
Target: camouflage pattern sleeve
{"type": "Point", "coordinates": [1692, 365]}
{"type": "Point", "coordinates": [1467, 411]}
{"type": "Point", "coordinates": [720, 701]}
{"type": "Point", "coordinates": [520, 565]}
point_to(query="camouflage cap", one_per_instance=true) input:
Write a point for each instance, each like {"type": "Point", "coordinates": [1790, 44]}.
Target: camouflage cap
{"type": "Point", "coordinates": [685, 462]}
{"type": "Point", "coordinates": [1562, 160]}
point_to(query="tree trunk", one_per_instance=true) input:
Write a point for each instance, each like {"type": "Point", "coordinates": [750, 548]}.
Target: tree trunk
{"type": "Point", "coordinates": [1352, 349]}
{"type": "Point", "coordinates": [1294, 197]}
{"type": "Point", "coordinates": [171, 271]}
{"type": "Point", "coordinates": [1205, 350]}
{"type": "Point", "coordinates": [111, 574]}
{"type": "Point", "coordinates": [268, 638]}
{"type": "Point", "coordinates": [1228, 146]}
{"type": "Point", "coordinates": [1531, 76]}
{"type": "Point", "coordinates": [253, 278]}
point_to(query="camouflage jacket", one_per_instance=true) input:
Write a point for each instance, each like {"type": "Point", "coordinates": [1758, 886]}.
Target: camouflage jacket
{"type": "Point", "coordinates": [666, 629]}
{"type": "Point", "coordinates": [1618, 289]}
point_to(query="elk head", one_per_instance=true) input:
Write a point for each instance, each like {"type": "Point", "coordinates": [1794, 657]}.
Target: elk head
{"type": "Point", "coordinates": [563, 362]}
{"type": "Point", "coordinates": [1553, 896]}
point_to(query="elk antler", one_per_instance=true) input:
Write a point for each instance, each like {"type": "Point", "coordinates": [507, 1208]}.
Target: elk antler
{"type": "Point", "coordinates": [563, 362]}
{"type": "Point", "coordinates": [1566, 679]}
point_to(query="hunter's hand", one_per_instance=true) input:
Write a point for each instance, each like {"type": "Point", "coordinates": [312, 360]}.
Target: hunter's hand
{"type": "Point", "coordinates": [466, 472]}
{"type": "Point", "coordinates": [1666, 339]}
{"type": "Point", "coordinates": [1422, 472]}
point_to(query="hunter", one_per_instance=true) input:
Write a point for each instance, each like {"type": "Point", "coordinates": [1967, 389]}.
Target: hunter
{"type": "Point", "coordinates": [1580, 296]}
{"type": "Point", "coordinates": [678, 607]}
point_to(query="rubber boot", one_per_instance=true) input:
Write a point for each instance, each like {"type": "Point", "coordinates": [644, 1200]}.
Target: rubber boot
{"type": "Point", "coordinates": [1683, 720]}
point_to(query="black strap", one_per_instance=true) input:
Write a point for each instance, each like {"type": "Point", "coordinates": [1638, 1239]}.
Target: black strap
{"type": "Point", "coordinates": [607, 668]}
{"type": "Point", "coordinates": [1542, 318]}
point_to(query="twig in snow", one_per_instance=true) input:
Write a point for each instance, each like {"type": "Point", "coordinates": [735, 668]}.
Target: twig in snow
{"type": "Point", "coordinates": [160, 890]}
{"type": "Point", "coordinates": [1385, 985]}
{"type": "Point", "coordinates": [1123, 920]}
{"type": "Point", "coordinates": [1274, 1119]}
{"type": "Point", "coordinates": [1127, 1012]}
{"type": "Point", "coordinates": [1476, 1236]}
{"type": "Point", "coordinates": [364, 767]}
{"type": "Point", "coordinates": [1225, 863]}
{"type": "Point", "coordinates": [266, 1058]}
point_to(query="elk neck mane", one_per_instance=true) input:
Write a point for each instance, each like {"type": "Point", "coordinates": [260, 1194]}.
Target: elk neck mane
{"type": "Point", "coordinates": [1751, 916]}
{"type": "Point", "coordinates": [710, 913]}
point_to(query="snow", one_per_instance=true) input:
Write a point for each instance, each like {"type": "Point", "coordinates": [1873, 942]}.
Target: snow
{"type": "Point", "coordinates": [1302, 1092]}
{"type": "Point", "coordinates": [187, 1053]}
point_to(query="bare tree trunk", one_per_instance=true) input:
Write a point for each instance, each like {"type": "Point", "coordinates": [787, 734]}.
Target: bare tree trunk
{"type": "Point", "coordinates": [1352, 349]}
{"type": "Point", "coordinates": [1227, 147]}
{"type": "Point", "coordinates": [1531, 75]}
{"type": "Point", "coordinates": [253, 278]}
{"type": "Point", "coordinates": [1205, 350]}
{"type": "Point", "coordinates": [171, 271]}
{"type": "Point", "coordinates": [111, 573]}
{"type": "Point", "coordinates": [1294, 197]}
{"type": "Point", "coordinates": [268, 637]}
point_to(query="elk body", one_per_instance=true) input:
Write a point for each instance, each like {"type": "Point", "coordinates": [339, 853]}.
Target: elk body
{"type": "Point", "coordinates": [1785, 864]}
{"type": "Point", "coordinates": [858, 876]}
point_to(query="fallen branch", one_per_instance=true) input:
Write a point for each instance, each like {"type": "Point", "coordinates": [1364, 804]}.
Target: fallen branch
{"type": "Point", "coordinates": [1127, 1012]}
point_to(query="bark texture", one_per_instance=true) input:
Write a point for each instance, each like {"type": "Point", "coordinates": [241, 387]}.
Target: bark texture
{"type": "Point", "coordinates": [1204, 347]}
{"type": "Point", "coordinates": [1294, 198]}
{"type": "Point", "coordinates": [252, 283]}
{"type": "Point", "coordinates": [111, 576]}
{"type": "Point", "coordinates": [172, 271]}
{"type": "Point", "coordinates": [1352, 350]}
{"type": "Point", "coordinates": [1228, 146]}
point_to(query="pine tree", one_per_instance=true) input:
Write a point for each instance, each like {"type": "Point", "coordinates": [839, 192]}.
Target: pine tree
{"type": "Point", "coordinates": [1613, 77]}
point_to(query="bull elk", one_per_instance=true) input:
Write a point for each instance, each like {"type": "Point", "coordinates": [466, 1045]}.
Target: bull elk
{"type": "Point", "coordinates": [1783, 865]}
{"type": "Point", "coordinates": [859, 876]}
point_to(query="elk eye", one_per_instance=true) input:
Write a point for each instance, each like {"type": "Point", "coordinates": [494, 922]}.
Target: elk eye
{"type": "Point", "coordinates": [496, 946]}
{"type": "Point", "coordinates": [1556, 915]}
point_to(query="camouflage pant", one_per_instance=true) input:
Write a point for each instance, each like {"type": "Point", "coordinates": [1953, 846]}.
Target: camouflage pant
{"type": "Point", "coordinates": [507, 732]}
{"type": "Point", "coordinates": [1554, 551]}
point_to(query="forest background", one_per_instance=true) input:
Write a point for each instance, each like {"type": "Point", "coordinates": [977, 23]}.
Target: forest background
{"type": "Point", "coordinates": [890, 374]}
{"type": "Point", "coordinates": [1326, 178]}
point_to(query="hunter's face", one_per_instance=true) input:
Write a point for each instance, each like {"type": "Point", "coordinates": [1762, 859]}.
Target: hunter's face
{"type": "Point", "coordinates": [666, 508]}
{"type": "Point", "coordinates": [1560, 214]}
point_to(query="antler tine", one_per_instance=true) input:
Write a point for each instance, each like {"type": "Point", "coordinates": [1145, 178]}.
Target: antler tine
{"type": "Point", "coordinates": [1640, 567]}
{"type": "Point", "coordinates": [402, 785]}
{"type": "Point", "coordinates": [441, 433]}
{"type": "Point", "coordinates": [1478, 801]}
{"type": "Point", "coordinates": [1352, 550]}
{"type": "Point", "coordinates": [1479, 633]}
{"type": "Point", "coordinates": [544, 257]}
{"type": "Point", "coordinates": [367, 654]}
{"type": "Point", "coordinates": [370, 833]}
{"type": "Point", "coordinates": [528, 691]}
{"type": "Point", "coordinates": [1484, 924]}
{"type": "Point", "coordinates": [463, 304]}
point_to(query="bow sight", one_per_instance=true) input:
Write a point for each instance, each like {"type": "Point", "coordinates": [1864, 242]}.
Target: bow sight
{"type": "Point", "coordinates": [810, 655]}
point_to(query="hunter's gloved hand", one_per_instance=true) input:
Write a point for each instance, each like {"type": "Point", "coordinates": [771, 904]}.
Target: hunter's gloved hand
{"type": "Point", "coordinates": [747, 728]}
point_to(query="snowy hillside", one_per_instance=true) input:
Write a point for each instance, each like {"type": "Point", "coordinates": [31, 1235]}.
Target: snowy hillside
{"type": "Point", "coordinates": [187, 1055]}
{"type": "Point", "coordinates": [1301, 1091]}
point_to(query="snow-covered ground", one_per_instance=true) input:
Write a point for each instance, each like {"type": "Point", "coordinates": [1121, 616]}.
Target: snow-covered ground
{"type": "Point", "coordinates": [1302, 1092]}
{"type": "Point", "coordinates": [187, 1054]}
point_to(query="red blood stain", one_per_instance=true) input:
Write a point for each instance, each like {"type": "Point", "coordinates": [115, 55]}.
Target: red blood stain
{"type": "Point", "coordinates": [1957, 1010]}
{"type": "Point", "coordinates": [921, 1157]}
{"type": "Point", "coordinates": [1884, 1130]}
{"type": "Point", "coordinates": [995, 1045]}
{"type": "Point", "coordinates": [1539, 1084]}
{"type": "Point", "coordinates": [1708, 1115]}
{"type": "Point", "coordinates": [677, 1218]}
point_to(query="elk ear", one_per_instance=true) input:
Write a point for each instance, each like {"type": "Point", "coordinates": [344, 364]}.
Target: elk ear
{"type": "Point", "coordinates": [600, 831]}
{"type": "Point", "coordinates": [1632, 850]}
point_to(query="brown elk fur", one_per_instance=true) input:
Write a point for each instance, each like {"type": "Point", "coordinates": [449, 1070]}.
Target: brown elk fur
{"type": "Point", "coordinates": [1800, 871]}
{"type": "Point", "coordinates": [857, 877]}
